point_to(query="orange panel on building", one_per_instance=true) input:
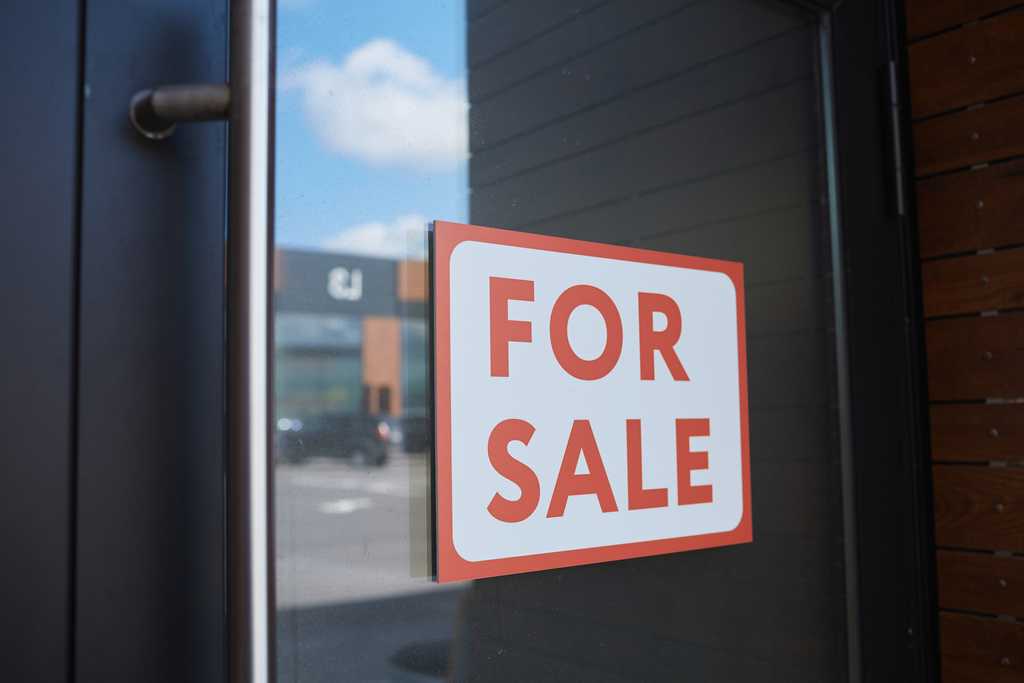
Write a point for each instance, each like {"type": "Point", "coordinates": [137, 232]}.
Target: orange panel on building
{"type": "Point", "coordinates": [412, 281]}
{"type": "Point", "coordinates": [382, 362]}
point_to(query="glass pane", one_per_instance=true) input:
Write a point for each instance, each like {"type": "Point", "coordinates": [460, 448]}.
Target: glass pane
{"type": "Point", "coordinates": [371, 144]}
{"type": "Point", "coordinates": [682, 126]}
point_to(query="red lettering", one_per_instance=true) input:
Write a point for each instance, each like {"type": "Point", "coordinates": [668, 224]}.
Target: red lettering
{"type": "Point", "coordinates": [567, 302]}
{"type": "Point", "coordinates": [519, 473]}
{"type": "Point", "coordinates": [639, 497]}
{"type": "Point", "coordinates": [503, 330]}
{"type": "Point", "coordinates": [687, 461]}
{"type": "Point", "coordinates": [595, 481]}
{"type": "Point", "coordinates": [662, 341]}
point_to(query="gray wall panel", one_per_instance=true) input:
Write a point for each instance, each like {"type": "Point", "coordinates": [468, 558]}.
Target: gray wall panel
{"type": "Point", "coordinates": [690, 128]}
{"type": "Point", "coordinates": [766, 186]}
{"type": "Point", "coordinates": [512, 24]}
{"type": "Point", "coordinates": [606, 21]}
{"type": "Point", "coordinates": [150, 523]}
{"type": "Point", "coordinates": [39, 75]}
{"type": "Point", "coordinates": [704, 32]}
{"type": "Point", "coordinates": [750, 71]}
{"type": "Point", "coordinates": [774, 246]}
{"type": "Point", "coordinates": [770, 126]}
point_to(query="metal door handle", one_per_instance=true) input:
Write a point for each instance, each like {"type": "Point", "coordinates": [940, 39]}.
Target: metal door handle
{"type": "Point", "coordinates": [246, 103]}
{"type": "Point", "coordinates": [155, 113]}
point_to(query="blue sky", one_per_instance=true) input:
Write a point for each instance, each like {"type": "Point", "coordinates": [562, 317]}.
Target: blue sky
{"type": "Point", "coordinates": [370, 121]}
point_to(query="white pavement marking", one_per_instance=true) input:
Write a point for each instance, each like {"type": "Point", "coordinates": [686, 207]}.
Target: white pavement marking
{"type": "Point", "coordinates": [393, 486]}
{"type": "Point", "coordinates": [344, 506]}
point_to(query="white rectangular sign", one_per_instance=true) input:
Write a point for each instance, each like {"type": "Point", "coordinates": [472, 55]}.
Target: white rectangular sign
{"type": "Point", "coordinates": [590, 402]}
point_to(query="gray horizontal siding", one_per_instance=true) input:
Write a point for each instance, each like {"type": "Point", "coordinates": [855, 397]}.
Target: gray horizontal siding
{"type": "Point", "coordinates": [687, 126]}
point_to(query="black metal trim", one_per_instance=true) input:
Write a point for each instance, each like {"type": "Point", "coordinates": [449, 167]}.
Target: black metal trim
{"type": "Point", "coordinates": [842, 353]}
{"type": "Point", "coordinates": [432, 403]}
{"type": "Point", "coordinates": [918, 432]}
{"type": "Point", "coordinates": [870, 604]}
{"type": "Point", "coordinates": [894, 614]}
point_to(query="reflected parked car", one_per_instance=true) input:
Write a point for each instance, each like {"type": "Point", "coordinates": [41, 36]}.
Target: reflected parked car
{"type": "Point", "coordinates": [359, 438]}
{"type": "Point", "coordinates": [416, 430]}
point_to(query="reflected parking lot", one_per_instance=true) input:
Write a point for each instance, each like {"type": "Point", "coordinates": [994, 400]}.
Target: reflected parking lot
{"type": "Point", "coordinates": [355, 600]}
{"type": "Point", "coordinates": [343, 530]}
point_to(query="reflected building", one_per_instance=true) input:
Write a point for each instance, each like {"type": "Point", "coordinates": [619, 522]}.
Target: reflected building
{"type": "Point", "coordinates": [351, 340]}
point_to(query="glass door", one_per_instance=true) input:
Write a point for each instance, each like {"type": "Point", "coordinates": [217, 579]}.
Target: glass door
{"type": "Point", "coordinates": [691, 127]}
{"type": "Point", "coordinates": [372, 128]}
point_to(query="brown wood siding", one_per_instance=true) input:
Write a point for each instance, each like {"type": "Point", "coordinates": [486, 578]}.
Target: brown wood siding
{"type": "Point", "coordinates": [970, 284]}
{"type": "Point", "coordinates": [978, 432]}
{"type": "Point", "coordinates": [971, 210]}
{"type": "Point", "coordinates": [979, 507]}
{"type": "Point", "coordinates": [981, 582]}
{"type": "Point", "coordinates": [976, 63]}
{"type": "Point", "coordinates": [966, 66]}
{"type": "Point", "coordinates": [974, 136]}
{"type": "Point", "coordinates": [981, 650]}
{"type": "Point", "coordinates": [976, 358]}
{"type": "Point", "coordinates": [931, 16]}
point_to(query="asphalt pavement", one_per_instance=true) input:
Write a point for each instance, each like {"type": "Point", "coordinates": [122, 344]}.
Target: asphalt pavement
{"type": "Point", "coordinates": [355, 601]}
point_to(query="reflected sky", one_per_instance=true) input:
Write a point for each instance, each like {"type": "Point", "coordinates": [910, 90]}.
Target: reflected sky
{"type": "Point", "coordinates": [371, 123]}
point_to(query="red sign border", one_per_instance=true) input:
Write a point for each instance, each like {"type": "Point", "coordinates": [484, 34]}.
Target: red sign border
{"type": "Point", "coordinates": [450, 565]}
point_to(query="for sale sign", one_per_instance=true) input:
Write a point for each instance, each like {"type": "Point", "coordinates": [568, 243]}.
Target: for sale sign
{"type": "Point", "coordinates": [590, 402]}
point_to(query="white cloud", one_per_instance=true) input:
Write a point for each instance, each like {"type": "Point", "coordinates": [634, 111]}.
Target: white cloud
{"type": "Point", "coordinates": [384, 105]}
{"type": "Point", "coordinates": [402, 238]}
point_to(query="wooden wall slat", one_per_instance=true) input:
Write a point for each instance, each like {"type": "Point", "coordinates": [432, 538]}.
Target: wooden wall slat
{"type": "Point", "coordinates": [971, 210]}
{"type": "Point", "coordinates": [975, 63]}
{"type": "Point", "coordinates": [976, 582]}
{"type": "Point", "coordinates": [981, 650]}
{"type": "Point", "coordinates": [977, 431]}
{"type": "Point", "coordinates": [979, 507]}
{"type": "Point", "coordinates": [930, 16]}
{"type": "Point", "coordinates": [966, 73]}
{"type": "Point", "coordinates": [967, 284]}
{"type": "Point", "coordinates": [975, 358]}
{"type": "Point", "coordinates": [970, 137]}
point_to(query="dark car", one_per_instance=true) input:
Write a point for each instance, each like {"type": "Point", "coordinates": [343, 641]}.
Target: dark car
{"type": "Point", "coordinates": [362, 439]}
{"type": "Point", "coordinates": [416, 430]}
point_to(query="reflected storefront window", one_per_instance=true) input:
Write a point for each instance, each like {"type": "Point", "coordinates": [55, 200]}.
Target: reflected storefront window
{"type": "Point", "coordinates": [318, 365]}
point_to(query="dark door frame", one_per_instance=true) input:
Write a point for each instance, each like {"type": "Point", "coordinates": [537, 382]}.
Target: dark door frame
{"type": "Point", "coordinates": [892, 616]}
{"type": "Point", "coordinates": [40, 79]}
{"type": "Point", "coordinates": [893, 631]}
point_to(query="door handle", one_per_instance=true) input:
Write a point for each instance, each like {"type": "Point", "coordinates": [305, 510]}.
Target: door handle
{"type": "Point", "coordinates": [155, 113]}
{"type": "Point", "coordinates": [247, 105]}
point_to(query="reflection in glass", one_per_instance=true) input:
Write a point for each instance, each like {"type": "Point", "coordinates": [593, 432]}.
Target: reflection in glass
{"type": "Point", "coordinates": [371, 144]}
{"type": "Point", "coordinates": [687, 126]}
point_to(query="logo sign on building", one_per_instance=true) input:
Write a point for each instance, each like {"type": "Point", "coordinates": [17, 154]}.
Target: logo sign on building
{"type": "Point", "coordinates": [344, 284]}
{"type": "Point", "coordinates": [590, 402]}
